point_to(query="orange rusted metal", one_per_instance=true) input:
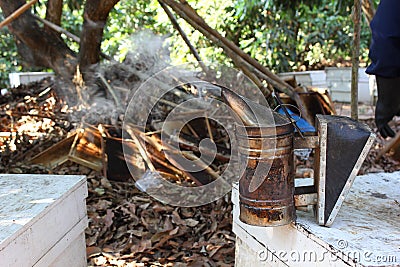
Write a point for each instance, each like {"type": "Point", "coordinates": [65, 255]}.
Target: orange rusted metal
{"type": "Point", "coordinates": [268, 151]}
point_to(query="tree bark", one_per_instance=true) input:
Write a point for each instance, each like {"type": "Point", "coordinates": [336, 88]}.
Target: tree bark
{"type": "Point", "coordinates": [355, 60]}
{"type": "Point", "coordinates": [36, 46]}
{"type": "Point", "coordinates": [53, 13]}
{"type": "Point", "coordinates": [95, 18]}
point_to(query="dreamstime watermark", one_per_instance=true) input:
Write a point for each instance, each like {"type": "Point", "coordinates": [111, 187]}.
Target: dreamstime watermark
{"type": "Point", "coordinates": [166, 91]}
{"type": "Point", "coordinates": [312, 256]}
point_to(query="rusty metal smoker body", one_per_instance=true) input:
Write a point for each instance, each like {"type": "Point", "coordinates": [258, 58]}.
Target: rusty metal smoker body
{"type": "Point", "coordinates": [268, 152]}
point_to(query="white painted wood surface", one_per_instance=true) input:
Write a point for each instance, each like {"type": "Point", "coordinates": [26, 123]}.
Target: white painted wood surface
{"type": "Point", "coordinates": [339, 84]}
{"type": "Point", "coordinates": [366, 231]}
{"type": "Point", "coordinates": [337, 80]}
{"type": "Point", "coordinates": [42, 219]}
{"type": "Point", "coordinates": [245, 256]}
{"type": "Point", "coordinates": [314, 78]}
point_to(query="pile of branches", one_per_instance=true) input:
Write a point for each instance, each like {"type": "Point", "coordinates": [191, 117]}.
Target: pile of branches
{"type": "Point", "coordinates": [32, 119]}
{"type": "Point", "coordinates": [126, 226]}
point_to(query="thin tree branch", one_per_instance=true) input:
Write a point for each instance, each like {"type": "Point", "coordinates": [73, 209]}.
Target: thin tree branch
{"type": "Point", "coordinates": [355, 59]}
{"type": "Point", "coordinates": [184, 36]}
{"type": "Point", "coordinates": [17, 13]}
{"type": "Point", "coordinates": [57, 28]}
{"type": "Point", "coordinates": [191, 16]}
{"type": "Point", "coordinates": [241, 59]}
{"type": "Point", "coordinates": [71, 36]}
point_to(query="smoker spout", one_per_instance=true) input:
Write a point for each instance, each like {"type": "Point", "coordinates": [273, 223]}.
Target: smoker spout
{"type": "Point", "coordinates": [250, 112]}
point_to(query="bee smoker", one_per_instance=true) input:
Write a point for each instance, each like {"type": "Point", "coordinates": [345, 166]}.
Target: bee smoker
{"type": "Point", "coordinates": [268, 151]}
{"type": "Point", "coordinates": [267, 192]}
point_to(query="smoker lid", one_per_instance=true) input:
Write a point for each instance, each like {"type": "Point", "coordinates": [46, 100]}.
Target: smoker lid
{"type": "Point", "coordinates": [279, 125]}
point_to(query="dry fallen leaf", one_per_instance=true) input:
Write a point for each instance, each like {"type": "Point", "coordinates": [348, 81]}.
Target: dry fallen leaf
{"type": "Point", "coordinates": [175, 231]}
{"type": "Point", "coordinates": [191, 222]}
{"type": "Point", "coordinates": [109, 218]}
{"type": "Point", "coordinates": [177, 219]}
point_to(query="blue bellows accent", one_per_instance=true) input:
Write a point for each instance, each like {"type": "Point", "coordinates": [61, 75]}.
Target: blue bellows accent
{"type": "Point", "coordinates": [300, 122]}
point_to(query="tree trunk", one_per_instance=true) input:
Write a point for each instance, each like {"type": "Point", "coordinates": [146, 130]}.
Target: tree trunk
{"type": "Point", "coordinates": [36, 46]}
{"type": "Point", "coordinates": [53, 13]}
{"type": "Point", "coordinates": [95, 18]}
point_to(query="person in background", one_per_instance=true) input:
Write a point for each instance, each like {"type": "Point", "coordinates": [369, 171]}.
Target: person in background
{"type": "Point", "coordinates": [385, 56]}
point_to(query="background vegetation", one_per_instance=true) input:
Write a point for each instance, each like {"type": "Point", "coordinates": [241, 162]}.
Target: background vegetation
{"type": "Point", "coordinates": [283, 35]}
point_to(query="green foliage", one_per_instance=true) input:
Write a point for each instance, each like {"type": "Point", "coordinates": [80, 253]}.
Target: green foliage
{"type": "Point", "coordinates": [8, 56]}
{"type": "Point", "coordinates": [217, 15]}
{"type": "Point", "coordinates": [293, 35]}
{"type": "Point", "coordinates": [126, 18]}
{"type": "Point", "coordinates": [72, 20]}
